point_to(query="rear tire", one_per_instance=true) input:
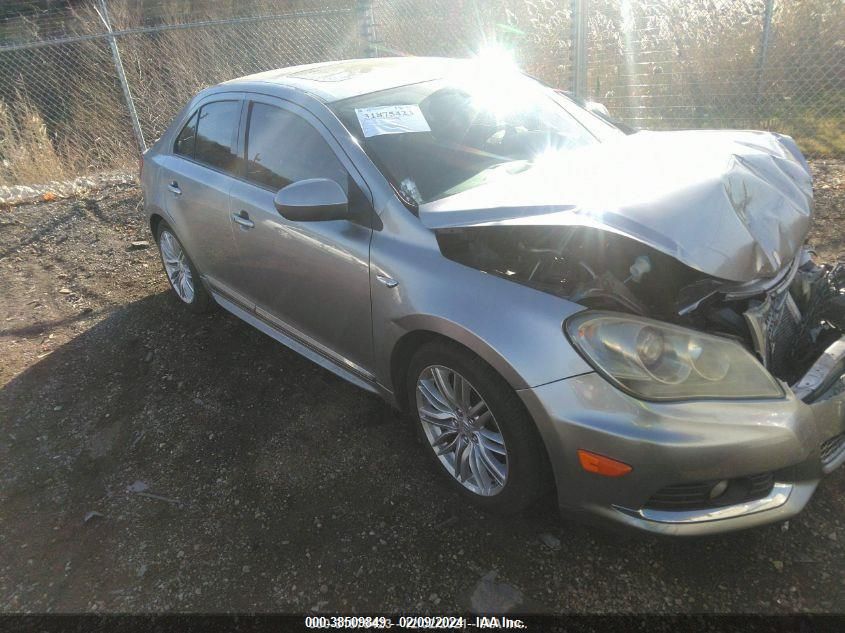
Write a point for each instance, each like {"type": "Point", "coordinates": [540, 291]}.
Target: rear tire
{"type": "Point", "coordinates": [182, 274]}
{"type": "Point", "coordinates": [502, 463]}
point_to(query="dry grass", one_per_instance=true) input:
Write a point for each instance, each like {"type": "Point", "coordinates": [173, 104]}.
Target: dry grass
{"type": "Point", "coordinates": [200, 57]}
{"type": "Point", "coordinates": [28, 154]}
{"type": "Point", "coordinates": [72, 119]}
{"type": "Point", "coordinates": [660, 64]}
{"type": "Point", "coordinates": [697, 63]}
{"type": "Point", "coordinates": [62, 114]}
{"type": "Point", "coordinates": [820, 137]}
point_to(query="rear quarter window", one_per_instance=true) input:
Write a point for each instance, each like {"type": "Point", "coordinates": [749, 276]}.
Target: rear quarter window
{"type": "Point", "coordinates": [184, 145]}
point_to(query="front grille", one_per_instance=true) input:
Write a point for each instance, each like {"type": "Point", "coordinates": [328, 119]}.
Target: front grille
{"type": "Point", "coordinates": [696, 496]}
{"type": "Point", "coordinates": [832, 449]}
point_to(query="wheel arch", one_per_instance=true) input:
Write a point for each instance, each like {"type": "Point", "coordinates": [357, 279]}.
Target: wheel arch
{"type": "Point", "coordinates": [423, 331]}
{"type": "Point", "coordinates": [155, 220]}
{"type": "Point", "coordinates": [407, 345]}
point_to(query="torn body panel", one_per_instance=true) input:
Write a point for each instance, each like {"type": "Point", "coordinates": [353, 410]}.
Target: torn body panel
{"type": "Point", "coordinates": [786, 322]}
{"type": "Point", "coordinates": [592, 267]}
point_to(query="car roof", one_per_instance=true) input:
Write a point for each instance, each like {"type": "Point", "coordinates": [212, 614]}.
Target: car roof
{"type": "Point", "coordinates": [333, 81]}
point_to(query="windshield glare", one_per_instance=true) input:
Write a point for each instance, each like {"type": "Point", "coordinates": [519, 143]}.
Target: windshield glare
{"type": "Point", "coordinates": [437, 138]}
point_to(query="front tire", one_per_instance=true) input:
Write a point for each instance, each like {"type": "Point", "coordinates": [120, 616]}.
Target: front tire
{"type": "Point", "coordinates": [181, 272]}
{"type": "Point", "coordinates": [475, 428]}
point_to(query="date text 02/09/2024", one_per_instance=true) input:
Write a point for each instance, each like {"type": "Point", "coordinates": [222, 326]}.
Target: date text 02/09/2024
{"type": "Point", "coordinates": [414, 622]}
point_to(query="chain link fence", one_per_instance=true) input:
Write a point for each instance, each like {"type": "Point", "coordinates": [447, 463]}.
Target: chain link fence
{"type": "Point", "coordinates": [723, 63]}
{"type": "Point", "coordinates": [538, 33]}
{"type": "Point", "coordinates": [64, 111]}
{"type": "Point", "coordinates": [84, 83]}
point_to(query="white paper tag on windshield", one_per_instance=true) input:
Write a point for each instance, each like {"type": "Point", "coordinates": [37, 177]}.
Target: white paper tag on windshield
{"type": "Point", "coordinates": [395, 119]}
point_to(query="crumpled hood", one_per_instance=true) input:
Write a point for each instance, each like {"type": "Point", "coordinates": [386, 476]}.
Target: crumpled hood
{"type": "Point", "coordinates": [736, 205]}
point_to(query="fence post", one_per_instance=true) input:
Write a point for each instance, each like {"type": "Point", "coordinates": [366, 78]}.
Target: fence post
{"type": "Point", "coordinates": [367, 26]}
{"type": "Point", "coordinates": [578, 42]}
{"type": "Point", "coordinates": [761, 60]}
{"type": "Point", "coordinates": [121, 75]}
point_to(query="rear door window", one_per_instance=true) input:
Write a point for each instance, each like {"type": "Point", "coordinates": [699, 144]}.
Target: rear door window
{"type": "Point", "coordinates": [216, 135]}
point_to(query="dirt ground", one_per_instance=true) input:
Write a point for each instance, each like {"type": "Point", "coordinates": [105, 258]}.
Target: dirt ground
{"type": "Point", "coordinates": [151, 460]}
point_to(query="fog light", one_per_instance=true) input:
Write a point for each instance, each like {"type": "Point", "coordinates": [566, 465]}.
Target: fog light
{"type": "Point", "coordinates": [719, 489]}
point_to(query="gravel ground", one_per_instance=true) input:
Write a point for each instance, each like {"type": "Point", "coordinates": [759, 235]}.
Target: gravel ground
{"type": "Point", "coordinates": [151, 460]}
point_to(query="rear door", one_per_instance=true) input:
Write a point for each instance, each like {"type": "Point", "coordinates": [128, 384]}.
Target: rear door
{"type": "Point", "coordinates": [309, 279]}
{"type": "Point", "coordinates": [197, 177]}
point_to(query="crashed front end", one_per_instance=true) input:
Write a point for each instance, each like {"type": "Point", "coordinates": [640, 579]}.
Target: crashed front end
{"type": "Point", "coordinates": [712, 244]}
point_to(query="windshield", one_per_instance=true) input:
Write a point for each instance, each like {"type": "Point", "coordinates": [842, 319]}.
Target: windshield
{"type": "Point", "coordinates": [438, 138]}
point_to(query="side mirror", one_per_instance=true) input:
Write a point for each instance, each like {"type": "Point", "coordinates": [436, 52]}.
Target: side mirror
{"type": "Point", "coordinates": [312, 200]}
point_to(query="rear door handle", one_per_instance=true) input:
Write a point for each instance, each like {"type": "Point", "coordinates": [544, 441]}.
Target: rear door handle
{"type": "Point", "coordinates": [174, 188]}
{"type": "Point", "coordinates": [242, 218]}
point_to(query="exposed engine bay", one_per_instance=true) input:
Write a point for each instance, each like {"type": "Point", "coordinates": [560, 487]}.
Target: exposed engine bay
{"type": "Point", "coordinates": [787, 320]}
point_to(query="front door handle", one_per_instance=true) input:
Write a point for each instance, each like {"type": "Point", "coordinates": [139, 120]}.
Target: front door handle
{"type": "Point", "coordinates": [390, 282]}
{"type": "Point", "coordinates": [174, 188]}
{"type": "Point", "coordinates": [242, 218]}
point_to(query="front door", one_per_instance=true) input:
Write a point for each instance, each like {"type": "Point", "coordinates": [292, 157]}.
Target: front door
{"type": "Point", "coordinates": [310, 279]}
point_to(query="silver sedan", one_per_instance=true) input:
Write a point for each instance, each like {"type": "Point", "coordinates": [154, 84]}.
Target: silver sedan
{"type": "Point", "coordinates": [628, 318]}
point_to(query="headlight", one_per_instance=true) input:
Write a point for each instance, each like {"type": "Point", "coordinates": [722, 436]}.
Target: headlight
{"type": "Point", "coordinates": [657, 361]}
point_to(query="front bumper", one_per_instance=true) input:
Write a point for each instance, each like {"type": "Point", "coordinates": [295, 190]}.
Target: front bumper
{"type": "Point", "coordinates": [680, 443]}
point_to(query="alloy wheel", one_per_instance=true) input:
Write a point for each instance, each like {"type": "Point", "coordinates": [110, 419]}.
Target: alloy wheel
{"type": "Point", "coordinates": [176, 266]}
{"type": "Point", "coordinates": [462, 430]}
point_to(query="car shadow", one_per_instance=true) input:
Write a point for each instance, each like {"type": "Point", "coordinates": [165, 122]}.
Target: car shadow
{"type": "Point", "coordinates": [164, 460]}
